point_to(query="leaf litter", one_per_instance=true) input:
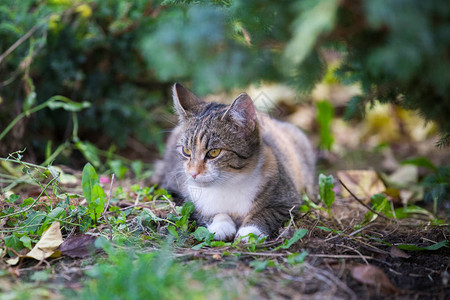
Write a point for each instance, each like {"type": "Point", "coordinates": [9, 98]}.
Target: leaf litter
{"type": "Point", "coordinates": [314, 256]}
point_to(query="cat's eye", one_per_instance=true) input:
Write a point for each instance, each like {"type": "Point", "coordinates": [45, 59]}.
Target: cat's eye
{"type": "Point", "coordinates": [213, 153]}
{"type": "Point", "coordinates": [186, 152]}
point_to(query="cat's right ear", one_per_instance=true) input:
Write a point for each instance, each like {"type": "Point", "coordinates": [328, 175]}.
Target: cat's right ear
{"type": "Point", "coordinates": [184, 100]}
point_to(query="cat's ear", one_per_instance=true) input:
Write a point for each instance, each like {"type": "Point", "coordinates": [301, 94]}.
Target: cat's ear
{"type": "Point", "coordinates": [184, 100]}
{"type": "Point", "coordinates": [242, 112]}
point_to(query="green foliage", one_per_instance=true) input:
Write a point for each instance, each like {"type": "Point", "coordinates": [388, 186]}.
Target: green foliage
{"type": "Point", "coordinates": [398, 55]}
{"type": "Point", "coordinates": [436, 246]}
{"type": "Point", "coordinates": [298, 235]}
{"type": "Point", "coordinates": [154, 275]}
{"type": "Point", "coordinates": [260, 265]}
{"type": "Point", "coordinates": [326, 192]}
{"type": "Point", "coordinates": [325, 114]}
{"type": "Point", "coordinates": [297, 258]}
{"type": "Point", "coordinates": [93, 192]}
{"type": "Point", "coordinates": [437, 184]}
{"type": "Point", "coordinates": [122, 56]}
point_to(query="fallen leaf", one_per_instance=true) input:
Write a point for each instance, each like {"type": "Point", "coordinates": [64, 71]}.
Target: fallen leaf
{"type": "Point", "coordinates": [78, 246]}
{"type": "Point", "coordinates": [362, 183]}
{"type": "Point", "coordinates": [13, 261]}
{"type": "Point", "coordinates": [46, 247]}
{"type": "Point", "coordinates": [404, 176]}
{"type": "Point", "coordinates": [406, 181]}
{"type": "Point", "coordinates": [374, 276]}
{"type": "Point", "coordinates": [50, 240]}
{"type": "Point", "coordinates": [395, 252]}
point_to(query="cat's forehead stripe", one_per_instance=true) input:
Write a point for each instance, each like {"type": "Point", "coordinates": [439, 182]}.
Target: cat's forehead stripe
{"type": "Point", "coordinates": [212, 111]}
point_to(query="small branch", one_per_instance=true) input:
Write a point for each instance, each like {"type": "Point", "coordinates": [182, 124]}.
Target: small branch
{"type": "Point", "coordinates": [18, 42]}
{"type": "Point", "coordinates": [106, 208]}
{"type": "Point", "coordinates": [363, 204]}
{"type": "Point", "coordinates": [32, 204]}
{"type": "Point", "coordinates": [352, 249]}
{"type": "Point", "coordinates": [289, 225]}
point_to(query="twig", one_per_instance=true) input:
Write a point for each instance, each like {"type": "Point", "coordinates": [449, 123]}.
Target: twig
{"type": "Point", "coordinates": [333, 278]}
{"type": "Point", "coordinates": [106, 208]}
{"type": "Point", "coordinates": [289, 225]}
{"type": "Point", "coordinates": [110, 192]}
{"type": "Point", "coordinates": [363, 204]}
{"type": "Point", "coordinates": [337, 256]}
{"type": "Point", "coordinates": [136, 202]}
{"type": "Point", "coordinates": [18, 42]}
{"type": "Point", "coordinates": [33, 203]}
{"type": "Point", "coordinates": [359, 253]}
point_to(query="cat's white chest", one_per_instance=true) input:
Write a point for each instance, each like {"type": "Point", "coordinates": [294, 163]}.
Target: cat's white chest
{"type": "Point", "coordinates": [235, 197]}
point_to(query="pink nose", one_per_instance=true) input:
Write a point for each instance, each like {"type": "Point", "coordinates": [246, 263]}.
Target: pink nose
{"type": "Point", "coordinates": [194, 174]}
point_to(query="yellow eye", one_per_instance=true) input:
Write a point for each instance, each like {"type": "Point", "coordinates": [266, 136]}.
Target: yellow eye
{"type": "Point", "coordinates": [186, 152]}
{"type": "Point", "coordinates": [213, 153]}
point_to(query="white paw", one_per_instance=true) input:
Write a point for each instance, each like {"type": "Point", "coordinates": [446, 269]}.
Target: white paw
{"type": "Point", "coordinates": [246, 230]}
{"type": "Point", "coordinates": [223, 227]}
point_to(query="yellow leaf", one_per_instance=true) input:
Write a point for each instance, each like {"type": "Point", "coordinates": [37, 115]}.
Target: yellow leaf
{"type": "Point", "coordinates": [49, 242]}
{"type": "Point", "coordinates": [362, 183]}
{"type": "Point", "coordinates": [84, 10]}
{"type": "Point", "coordinates": [13, 261]}
{"type": "Point", "coordinates": [46, 247]}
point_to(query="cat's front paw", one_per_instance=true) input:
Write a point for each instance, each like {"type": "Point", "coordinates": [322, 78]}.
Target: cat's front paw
{"type": "Point", "coordinates": [223, 227]}
{"type": "Point", "coordinates": [244, 231]}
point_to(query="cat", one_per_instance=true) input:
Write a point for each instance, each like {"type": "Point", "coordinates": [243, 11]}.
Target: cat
{"type": "Point", "coordinates": [243, 171]}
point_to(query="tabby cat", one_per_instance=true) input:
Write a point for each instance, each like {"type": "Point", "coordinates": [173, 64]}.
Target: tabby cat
{"type": "Point", "coordinates": [242, 170]}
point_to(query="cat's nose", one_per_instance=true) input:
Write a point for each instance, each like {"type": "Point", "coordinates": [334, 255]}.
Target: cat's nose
{"type": "Point", "coordinates": [194, 174]}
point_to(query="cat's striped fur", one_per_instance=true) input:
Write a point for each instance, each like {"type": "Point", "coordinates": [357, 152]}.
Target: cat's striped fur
{"type": "Point", "coordinates": [262, 167]}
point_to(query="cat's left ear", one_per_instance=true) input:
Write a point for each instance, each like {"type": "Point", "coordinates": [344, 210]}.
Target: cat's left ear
{"type": "Point", "coordinates": [242, 112]}
{"type": "Point", "coordinates": [184, 100]}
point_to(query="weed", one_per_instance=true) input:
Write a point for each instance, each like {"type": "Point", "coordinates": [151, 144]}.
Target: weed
{"type": "Point", "coordinates": [127, 274]}
{"type": "Point", "coordinates": [326, 193]}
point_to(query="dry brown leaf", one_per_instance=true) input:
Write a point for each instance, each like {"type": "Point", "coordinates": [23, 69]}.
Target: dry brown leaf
{"type": "Point", "coordinates": [49, 242]}
{"type": "Point", "coordinates": [362, 183]}
{"type": "Point", "coordinates": [374, 276]}
{"type": "Point", "coordinates": [217, 257]}
{"type": "Point", "coordinates": [78, 246]}
{"type": "Point", "coordinates": [395, 252]}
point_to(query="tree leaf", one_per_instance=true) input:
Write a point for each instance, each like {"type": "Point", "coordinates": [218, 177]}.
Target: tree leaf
{"type": "Point", "coordinates": [46, 247]}
{"type": "Point", "coordinates": [374, 276]}
{"type": "Point", "coordinates": [82, 245]}
{"type": "Point", "coordinates": [49, 242]}
{"type": "Point", "coordinates": [318, 18]}
{"type": "Point", "coordinates": [362, 183]}
{"type": "Point", "coordinates": [396, 252]}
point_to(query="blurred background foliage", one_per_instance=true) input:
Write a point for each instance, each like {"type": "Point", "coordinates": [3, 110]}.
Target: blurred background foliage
{"type": "Point", "coordinates": [123, 56]}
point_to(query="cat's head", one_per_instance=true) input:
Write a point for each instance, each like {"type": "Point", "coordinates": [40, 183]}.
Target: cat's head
{"type": "Point", "coordinates": [217, 141]}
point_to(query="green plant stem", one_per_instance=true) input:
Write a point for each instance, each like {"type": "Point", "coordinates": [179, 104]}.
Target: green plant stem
{"type": "Point", "coordinates": [30, 111]}
{"type": "Point", "coordinates": [39, 224]}
{"type": "Point", "coordinates": [55, 154]}
{"type": "Point", "coordinates": [15, 160]}
{"type": "Point", "coordinates": [32, 204]}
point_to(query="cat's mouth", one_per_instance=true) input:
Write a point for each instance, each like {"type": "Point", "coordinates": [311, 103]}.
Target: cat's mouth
{"type": "Point", "coordinates": [202, 181]}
